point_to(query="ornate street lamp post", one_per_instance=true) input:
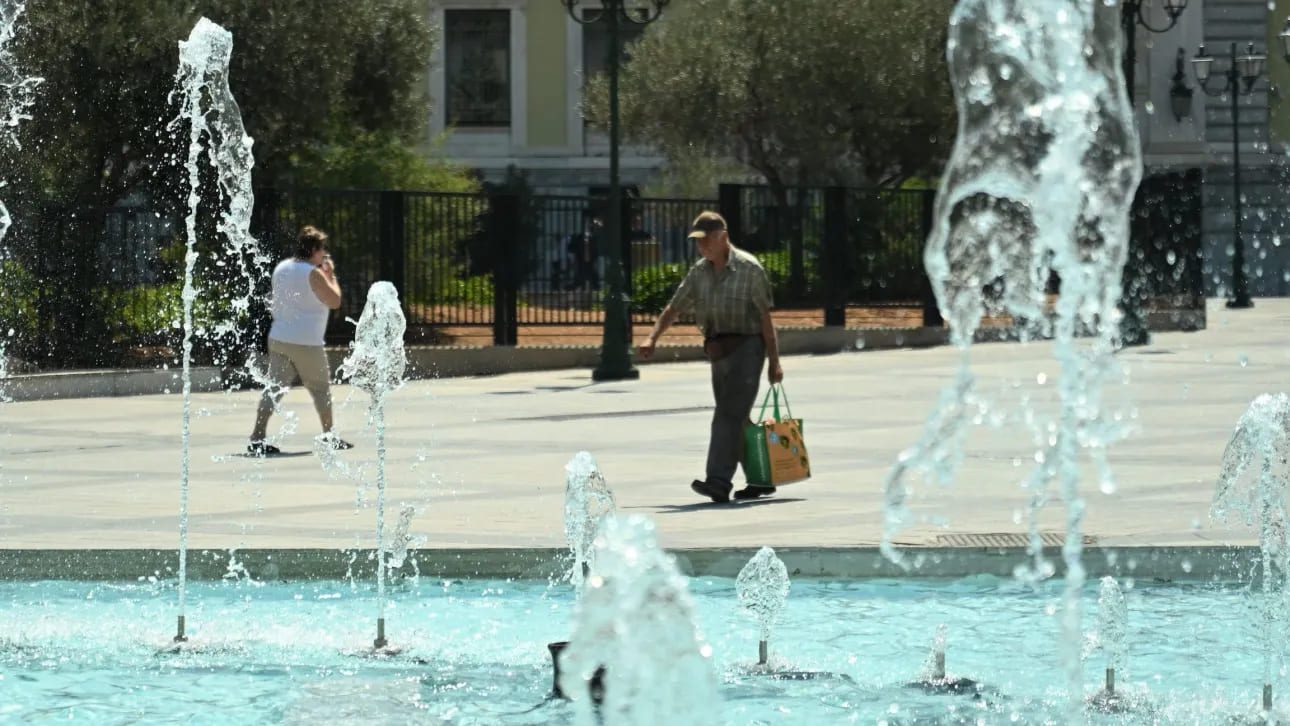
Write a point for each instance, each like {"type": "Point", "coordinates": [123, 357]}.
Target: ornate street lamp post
{"type": "Point", "coordinates": [1133, 329]}
{"type": "Point", "coordinates": [1132, 14]}
{"type": "Point", "coordinates": [1238, 80]}
{"type": "Point", "coordinates": [615, 351]}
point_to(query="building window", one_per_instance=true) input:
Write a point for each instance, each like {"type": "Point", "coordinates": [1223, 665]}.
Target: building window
{"type": "Point", "coordinates": [595, 44]}
{"type": "Point", "coordinates": [477, 67]}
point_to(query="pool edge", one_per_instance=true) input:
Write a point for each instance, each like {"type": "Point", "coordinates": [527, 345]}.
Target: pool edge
{"type": "Point", "coordinates": [1164, 563]}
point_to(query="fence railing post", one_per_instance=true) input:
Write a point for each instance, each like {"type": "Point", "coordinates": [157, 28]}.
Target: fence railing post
{"type": "Point", "coordinates": [797, 243]}
{"type": "Point", "coordinates": [625, 255]}
{"type": "Point", "coordinates": [931, 310]}
{"type": "Point", "coordinates": [1193, 218]}
{"type": "Point", "coordinates": [625, 237]}
{"type": "Point", "coordinates": [731, 206]}
{"type": "Point", "coordinates": [833, 267]}
{"type": "Point", "coordinates": [503, 233]}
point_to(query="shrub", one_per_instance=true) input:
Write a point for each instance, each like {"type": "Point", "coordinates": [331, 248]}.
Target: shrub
{"type": "Point", "coordinates": [653, 287]}
{"type": "Point", "coordinates": [146, 315]}
{"type": "Point", "coordinates": [17, 303]}
{"type": "Point", "coordinates": [779, 267]}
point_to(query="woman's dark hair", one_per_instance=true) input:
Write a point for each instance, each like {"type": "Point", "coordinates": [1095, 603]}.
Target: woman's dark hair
{"type": "Point", "coordinates": [311, 240]}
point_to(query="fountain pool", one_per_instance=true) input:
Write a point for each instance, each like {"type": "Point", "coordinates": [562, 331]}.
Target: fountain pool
{"type": "Point", "coordinates": [475, 652]}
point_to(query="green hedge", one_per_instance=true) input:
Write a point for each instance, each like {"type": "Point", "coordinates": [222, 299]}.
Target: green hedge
{"type": "Point", "coordinates": [652, 287]}
{"type": "Point", "coordinates": [17, 303]}
{"type": "Point", "coordinates": [153, 314]}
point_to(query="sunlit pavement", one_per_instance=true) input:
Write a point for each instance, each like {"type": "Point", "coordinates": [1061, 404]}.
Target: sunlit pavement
{"type": "Point", "coordinates": [483, 459]}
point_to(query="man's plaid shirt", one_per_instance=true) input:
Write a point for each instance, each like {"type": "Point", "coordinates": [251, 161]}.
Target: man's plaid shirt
{"type": "Point", "coordinates": [729, 302]}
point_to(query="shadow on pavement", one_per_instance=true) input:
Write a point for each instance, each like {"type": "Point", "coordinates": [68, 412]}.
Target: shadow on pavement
{"type": "Point", "coordinates": [699, 506]}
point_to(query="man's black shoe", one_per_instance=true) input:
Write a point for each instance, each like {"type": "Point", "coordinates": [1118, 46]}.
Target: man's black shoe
{"type": "Point", "coordinates": [752, 492]}
{"type": "Point", "coordinates": [262, 448]}
{"type": "Point", "coordinates": [716, 491]}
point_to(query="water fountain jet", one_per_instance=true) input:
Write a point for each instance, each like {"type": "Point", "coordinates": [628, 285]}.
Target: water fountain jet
{"type": "Point", "coordinates": [1112, 618]}
{"type": "Point", "coordinates": [1039, 183]}
{"type": "Point", "coordinates": [636, 621]}
{"type": "Point", "coordinates": [209, 110]}
{"type": "Point", "coordinates": [376, 364]}
{"type": "Point", "coordinates": [1252, 488]}
{"type": "Point", "coordinates": [588, 501]}
{"type": "Point", "coordinates": [17, 93]}
{"type": "Point", "coordinates": [935, 679]}
{"type": "Point", "coordinates": [762, 588]}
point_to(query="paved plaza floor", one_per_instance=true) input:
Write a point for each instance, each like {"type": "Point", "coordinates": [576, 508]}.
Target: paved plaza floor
{"type": "Point", "coordinates": [482, 459]}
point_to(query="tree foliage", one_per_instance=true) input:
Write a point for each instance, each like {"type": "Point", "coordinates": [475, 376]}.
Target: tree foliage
{"type": "Point", "coordinates": [803, 92]}
{"type": "Point", "coordinates": [312, 77]}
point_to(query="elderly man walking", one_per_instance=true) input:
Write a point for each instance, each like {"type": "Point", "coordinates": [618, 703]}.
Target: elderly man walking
{"type": "Point", "coordinates": [728, 292]}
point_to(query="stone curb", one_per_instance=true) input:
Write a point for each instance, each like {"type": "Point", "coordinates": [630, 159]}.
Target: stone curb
{"type": "Point", "coordinates": [1154, 563]}
{"type": "Point", "coordinates": [103, 383]}
{"type": "Point", "coordinates": [449, 362]}
{"type": "Point", "coordinates": [454, 361]}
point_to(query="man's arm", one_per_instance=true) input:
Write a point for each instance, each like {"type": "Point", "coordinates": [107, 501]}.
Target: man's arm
{"type": "Point", "coordinates": [664, 322]}
{"type": "Point", "coordinates": [763, 300]}
{"type": "Point", "coordinates": [323, 282]}
{"type": "Point", "coordinates": [773, 370]}
{"type": "Point", "coordinates": [682, 299]}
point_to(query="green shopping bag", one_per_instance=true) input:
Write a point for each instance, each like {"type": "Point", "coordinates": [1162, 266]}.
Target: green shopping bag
{"type": "Point", "coordinates": [774, 448]}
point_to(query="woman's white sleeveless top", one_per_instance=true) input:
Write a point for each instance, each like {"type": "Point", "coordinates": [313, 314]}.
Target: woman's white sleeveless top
{"type": "Point", "coordinates": [299, 317]}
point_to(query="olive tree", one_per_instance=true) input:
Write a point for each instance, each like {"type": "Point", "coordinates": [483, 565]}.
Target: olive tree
{"type": "Point", "coordinates": [804, 92]}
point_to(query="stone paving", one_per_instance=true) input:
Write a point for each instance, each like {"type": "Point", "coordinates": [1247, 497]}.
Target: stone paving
{"type": "Point", "coordinates": [483, 458]}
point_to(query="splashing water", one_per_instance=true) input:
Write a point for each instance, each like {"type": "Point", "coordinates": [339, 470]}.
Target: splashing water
{"type": "Point", "coordinates": [762, 587]}
{"type": "Point", "coordinates": [1112, 624]}
{"type": "Point", "coordinates": [17, 93]}
{"type": "Point", "coordinates": [376, 364]}
{"type": "Point", "coordinates": [376, 360]}
{"type": "Point", "coordinates": [1040, 182]}
{"type": "Point", "coordinates": [636, 619]}
{"type": "Point", "coordinates": [404, 542]}
{"type": "Point", "coordinates": [1252, 488]}
{"type": "Point", "coordinates": [587, 501]}
{"type": "Point", "coordinates": [934, 666]}
{"type": "Point", "coordinates": [209, 110]}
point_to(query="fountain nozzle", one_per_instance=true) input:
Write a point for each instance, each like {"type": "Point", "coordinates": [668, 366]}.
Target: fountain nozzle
{"type": "Point", "coordinates": [380, 641]}
{"type": "Point", "coordinates": [179, 634]}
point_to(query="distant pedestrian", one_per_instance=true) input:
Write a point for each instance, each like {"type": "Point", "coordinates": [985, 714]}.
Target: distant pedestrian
{"type": "Point", "coordinates": [584, 253]}
{"type": "Point", "coordinates": [305, 290]}
{"type": "Point", "coordinates": [729, 294]}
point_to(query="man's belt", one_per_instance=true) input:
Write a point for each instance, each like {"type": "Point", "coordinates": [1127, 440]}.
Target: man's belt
{"type": "Point", "coordinates": [718, 346]}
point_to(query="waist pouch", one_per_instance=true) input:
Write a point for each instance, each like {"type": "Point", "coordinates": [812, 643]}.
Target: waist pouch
{"type": "Point", "coordinates": [719, 346]}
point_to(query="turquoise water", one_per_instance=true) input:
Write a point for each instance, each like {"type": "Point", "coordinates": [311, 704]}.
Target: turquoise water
{"type": "Point", "coordinates": [475, 653]}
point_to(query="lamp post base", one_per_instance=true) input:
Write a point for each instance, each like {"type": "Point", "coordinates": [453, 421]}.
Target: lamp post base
{"type": "Point", "coordinates": [1240, 302]}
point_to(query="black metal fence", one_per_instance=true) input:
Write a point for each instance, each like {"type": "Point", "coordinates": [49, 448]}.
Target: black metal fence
{"type": "Point", "coordinates": [99, 286]}
{"type": "Point", "coordinates": [833, 247]}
